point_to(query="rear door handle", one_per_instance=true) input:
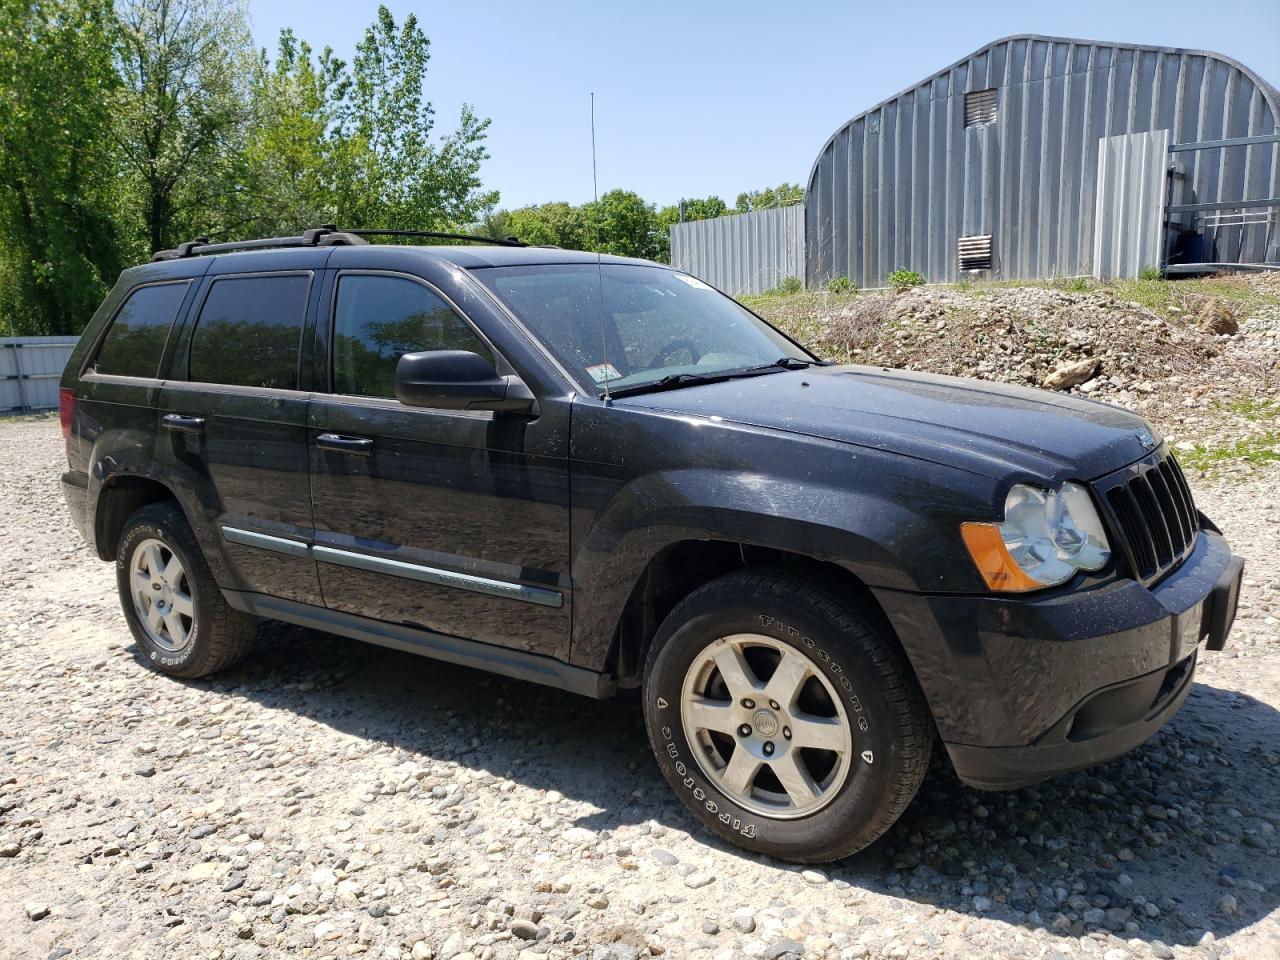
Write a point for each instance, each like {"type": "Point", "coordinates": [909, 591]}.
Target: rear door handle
{"type": "Point", "coordinates": [177, 421]}
{"type": "Point", "coordinates": [356, 446]}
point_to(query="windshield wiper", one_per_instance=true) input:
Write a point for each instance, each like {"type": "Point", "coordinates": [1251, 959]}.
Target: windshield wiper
{"type": "Point", "coordinates": [675, 381]}
{"type": "Point", "coordinates": [786, 363]}
{"type": "Point", "coordinates": [672, 381]}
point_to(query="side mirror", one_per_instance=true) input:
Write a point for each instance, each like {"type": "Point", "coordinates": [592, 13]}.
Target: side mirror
{"type": "Point", "coordinates": [458, 380]}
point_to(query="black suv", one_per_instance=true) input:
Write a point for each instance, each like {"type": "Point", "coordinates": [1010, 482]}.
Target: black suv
{"type": "Point", "coordinates": [593, 472]}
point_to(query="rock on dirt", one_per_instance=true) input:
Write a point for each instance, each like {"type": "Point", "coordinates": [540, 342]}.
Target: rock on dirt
{"type": "Point", "coordinates": [1070, 375]}
{"type": "Point", "coordinates": [1218, 318]}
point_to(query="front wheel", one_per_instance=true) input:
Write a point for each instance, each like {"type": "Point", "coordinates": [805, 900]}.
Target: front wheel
{"type": "Point", "coordinates": [784, 717]}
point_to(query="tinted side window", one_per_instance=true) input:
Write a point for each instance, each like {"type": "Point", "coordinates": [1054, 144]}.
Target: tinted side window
{"type": "Point", "coordinates": [379, 319]}
{"type": "Point", "coordinates": [135, 341]}
{"type": "Point", "coordinates": [249, 330]}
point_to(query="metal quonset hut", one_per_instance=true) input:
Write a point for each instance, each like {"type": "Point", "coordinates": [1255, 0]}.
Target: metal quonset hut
{"type": "Point", "coordinates": [993, 165]}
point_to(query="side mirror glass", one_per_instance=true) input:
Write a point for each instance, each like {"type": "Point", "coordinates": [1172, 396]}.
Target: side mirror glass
{"type": "Point", "coordinates": [458, 380]}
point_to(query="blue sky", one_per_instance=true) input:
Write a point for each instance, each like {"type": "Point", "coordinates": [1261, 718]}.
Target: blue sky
{"type": "Point", "coordinates": [700, 98]}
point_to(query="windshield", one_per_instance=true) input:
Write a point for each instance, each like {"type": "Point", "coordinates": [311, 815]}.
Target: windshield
{"type": "Point", "coordinates": [658, 324]}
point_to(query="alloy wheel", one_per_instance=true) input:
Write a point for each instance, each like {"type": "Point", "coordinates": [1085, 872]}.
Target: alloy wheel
{"type": "Point", "coordinates": [766, 726]}
{"type": "Point", "coordinates": [162, 595]}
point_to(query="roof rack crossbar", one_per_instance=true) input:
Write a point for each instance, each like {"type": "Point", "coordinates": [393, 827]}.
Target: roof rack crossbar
{"type": "Point", "coordinates": [436, 234]}
{"type": "Point", "coordinates": [323, 236]}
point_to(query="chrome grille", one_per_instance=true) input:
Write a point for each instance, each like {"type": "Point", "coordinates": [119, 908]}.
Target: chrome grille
{"type": "Point", "coordinates": [1153, 517]}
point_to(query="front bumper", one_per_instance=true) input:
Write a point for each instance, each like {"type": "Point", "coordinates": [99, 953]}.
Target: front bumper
{"type": "Point", "coordinates": [1023, 689]}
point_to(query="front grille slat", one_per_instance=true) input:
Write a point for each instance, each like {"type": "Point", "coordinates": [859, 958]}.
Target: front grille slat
{"type": "Point", "coordinates": [1168, 511]}
{"type": "Point", "coordinates": [1155, 522]}
{"type": "Point", "coordinates": [1185, 490]}
{"type": "Point", "coordinates": [1179, 503]}
{"type": "Point", "coordinates": [1152, 514]}
{"type": "Point", "coordinates": [1125, 507]}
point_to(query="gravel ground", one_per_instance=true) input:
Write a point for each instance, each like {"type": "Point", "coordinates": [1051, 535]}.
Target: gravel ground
{"type": "Point", "coordinates": [330, 799]}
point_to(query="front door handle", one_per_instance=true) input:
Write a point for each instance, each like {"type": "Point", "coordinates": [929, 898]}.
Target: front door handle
{"type": "Point", "coordinates": [178, 421]}
{"type": "Point", "coordinates": [356, 446]}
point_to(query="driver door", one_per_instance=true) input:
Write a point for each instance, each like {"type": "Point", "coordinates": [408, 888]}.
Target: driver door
{"type": "Point", "coordinates": [452, 521]}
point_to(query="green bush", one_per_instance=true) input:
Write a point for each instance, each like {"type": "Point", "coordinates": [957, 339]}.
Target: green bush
{"type": "Point", "coordinates": [841, 285]}
{"type": "Point", "coordinates": [791, 285]}
{"type": "Point", "coordinates": [901, 279]}
{"type": "Point", "coordinates": [1150, 273]}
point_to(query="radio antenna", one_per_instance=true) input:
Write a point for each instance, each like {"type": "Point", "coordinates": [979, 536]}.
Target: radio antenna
{"type": "Point", "coordinates": [595, 194]}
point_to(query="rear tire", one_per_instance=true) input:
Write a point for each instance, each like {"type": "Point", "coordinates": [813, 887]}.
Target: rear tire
{"type": "Point", "coordinates": [174, 608]}
{"type": "Point", "coordinates": [786, 718]}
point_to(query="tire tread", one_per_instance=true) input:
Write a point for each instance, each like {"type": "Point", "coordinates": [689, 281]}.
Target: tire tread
{"type": "Point", "coordinates": [230, 633]}
{"type": "Point", "coordinates": [894, 679]}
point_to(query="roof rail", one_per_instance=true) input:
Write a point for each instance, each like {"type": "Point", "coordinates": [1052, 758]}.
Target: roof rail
{"type": "Point", "coordinates": [327, 235]}
{"type": "Point", "coordinates": [496, 241]}
{"type": "Point", "coordinates": [323, 236]}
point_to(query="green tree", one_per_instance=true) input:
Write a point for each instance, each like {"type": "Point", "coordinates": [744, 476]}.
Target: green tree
{"type": "Point", "coordinates": [58, 247]}
{"type": "Point", "coordinates": [291, 144]}
{"type": "Point", "coordinates": [389, 172]}
{"type": "Point", "coordinates": [694, 209]}
{"type": "Point", "coordinates": [182, 115]}
{"type": "Point", "coordinates": [782, 195]}
{"type": "Point", "coordinates": [626, 226]}
{"type": "Point", "coordinates": [555, 224]}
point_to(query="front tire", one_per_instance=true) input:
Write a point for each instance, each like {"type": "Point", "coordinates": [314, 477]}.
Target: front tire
{"type": "Point", "coordinates": [174, 609]}
{"type": "Point", "coordinates": [786, 718]}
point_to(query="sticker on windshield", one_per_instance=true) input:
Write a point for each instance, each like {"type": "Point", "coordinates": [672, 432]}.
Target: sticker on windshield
{"type": "Point", "coordinates": [604, 371]}
{"type": "Point", "coordinates": [692, 281]}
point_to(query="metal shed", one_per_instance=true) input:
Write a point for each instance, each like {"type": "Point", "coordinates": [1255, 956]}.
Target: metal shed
{"type": "Point", "coordinates": [992, 166]}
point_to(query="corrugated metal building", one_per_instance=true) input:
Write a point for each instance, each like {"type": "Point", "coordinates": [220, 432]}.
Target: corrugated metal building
{"type": "Point", "coordinates": [993, 165]}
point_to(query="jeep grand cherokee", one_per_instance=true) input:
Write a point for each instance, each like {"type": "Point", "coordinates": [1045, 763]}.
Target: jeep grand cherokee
{"type": "Point", "coordinates": [594, 472]}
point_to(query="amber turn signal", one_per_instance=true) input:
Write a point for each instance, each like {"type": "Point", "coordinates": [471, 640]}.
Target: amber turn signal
{"type": "Point", "coordinates": [997, 567]}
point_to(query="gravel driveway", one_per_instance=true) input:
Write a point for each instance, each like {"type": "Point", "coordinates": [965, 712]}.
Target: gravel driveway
{"type": "Point", "coordinates": [330, 799]}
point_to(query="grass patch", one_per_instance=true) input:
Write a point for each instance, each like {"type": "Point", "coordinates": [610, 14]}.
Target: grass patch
{"type": "Point", "coordinates": [1255, 451]}
{"type": "Point", "coordinates": [1254, 410]}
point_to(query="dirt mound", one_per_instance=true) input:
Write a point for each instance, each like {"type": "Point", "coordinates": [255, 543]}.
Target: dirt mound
{"type": "Point", "coordinates": [1021, 335]}
{"type": "Point", "coordinates": [1199, 347]}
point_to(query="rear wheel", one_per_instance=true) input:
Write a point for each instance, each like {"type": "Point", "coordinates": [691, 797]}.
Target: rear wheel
{"type": "Point", "coordinates": [785, 718]}
{"type": "Point", "coordinates": [175, 611]}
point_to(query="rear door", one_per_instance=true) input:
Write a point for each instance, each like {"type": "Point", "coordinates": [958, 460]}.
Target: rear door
{"type": "Point", "coordinates": [452, 521]}
{"type": "Point", "coordinates": [233, 423]}
{"type": "Point", "coordinates": [116, 381]}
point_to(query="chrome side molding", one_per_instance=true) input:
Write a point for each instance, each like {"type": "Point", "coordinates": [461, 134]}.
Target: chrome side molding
{"type": "Point", "coordinates": [248, 538]}
{"type": "Point", "coordinates": [397, 568]}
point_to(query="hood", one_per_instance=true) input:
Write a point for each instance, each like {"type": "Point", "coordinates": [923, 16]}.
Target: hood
{"type": "Point", "coordinates": [991, 429]}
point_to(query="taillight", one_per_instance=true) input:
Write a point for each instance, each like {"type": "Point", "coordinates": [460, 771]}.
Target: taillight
{"type": "Point", "coordinates": [66, 412]}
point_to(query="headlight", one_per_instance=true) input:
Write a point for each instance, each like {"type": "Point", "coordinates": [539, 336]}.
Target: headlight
{"type": "Point", "coordinates": [1047, 536]}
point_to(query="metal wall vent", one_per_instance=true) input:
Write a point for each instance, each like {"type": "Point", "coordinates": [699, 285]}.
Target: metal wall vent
{"type": "Point", "coordinates": [975, 252]}
{"type": "Point", "coordinates": [979, 107]}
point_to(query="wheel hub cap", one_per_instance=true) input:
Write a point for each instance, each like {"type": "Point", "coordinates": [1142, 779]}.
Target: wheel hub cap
{"type": "Point", "coordinates": [786, 760]}
{"type": "Point", "coordinates": [766, 723]}
{"type": "Point", "coordinates": [162, 595]}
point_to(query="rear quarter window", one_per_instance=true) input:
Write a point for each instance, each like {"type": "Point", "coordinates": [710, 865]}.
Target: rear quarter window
{"type": "Point", "coordinates": [135, 340]}
{"type": "Point", "coordinates": [249, 331]}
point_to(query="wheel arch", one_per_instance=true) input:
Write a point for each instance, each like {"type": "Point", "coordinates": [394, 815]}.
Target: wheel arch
{"type": "Point", "coordinates": [120, 497]}
{"type": "Point", "coordinates": [683, 566]}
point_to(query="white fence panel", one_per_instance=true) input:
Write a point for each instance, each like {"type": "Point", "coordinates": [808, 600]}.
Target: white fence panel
{"type": "Point", "coordinates": [30, 368]}
{"type": "Point", "coordinates": [742, 252]}
{"type": "Point", "coordinates": [1132, 179]}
